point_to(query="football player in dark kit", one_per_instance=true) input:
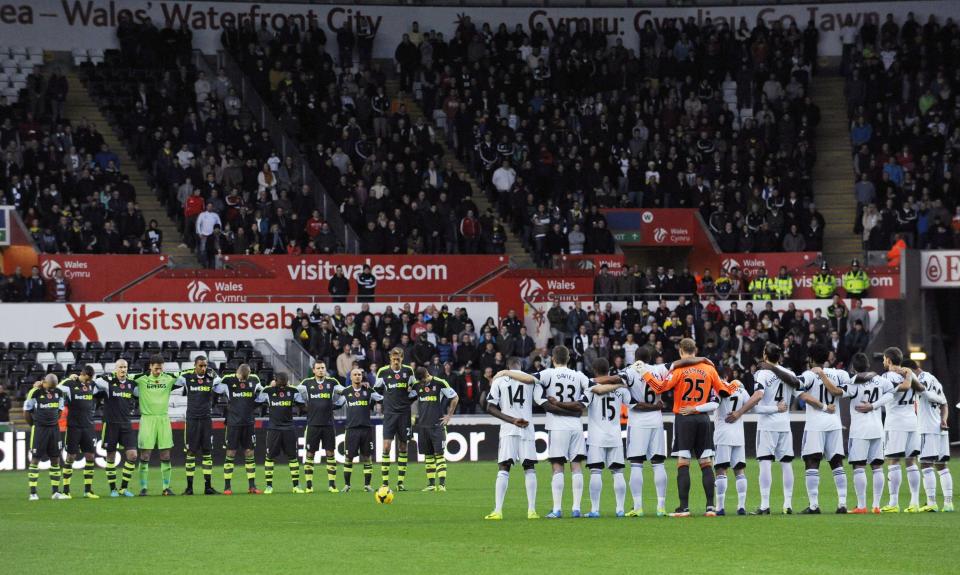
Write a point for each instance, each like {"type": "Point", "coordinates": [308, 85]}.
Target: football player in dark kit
{"type": "Point", "coordinates": [393, 383]}
{"type": "Point", "coordinates": [358, 441]}
{"type": "Point", "coordinates": [321, 394]}
{"type": "Point", "coordinates": [117, 432]}
{"type": "Point", "coordinates": [79, 396]}
{"type": "Point", "coordinates": [198, 385]}
{"type": "Point", "coordinates": [242, 390]}
{"type": "Point", "coordinates": [42, 411]}
{"type": "Point", "coordinates": [436, 404]}
{"type": "Point", "coordinates": [281, 437]}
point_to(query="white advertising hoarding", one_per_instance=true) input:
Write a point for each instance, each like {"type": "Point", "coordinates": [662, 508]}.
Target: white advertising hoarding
{"type": "Point", "coordinates": [179, 321]}
{"type": "Point", "coordinates": [940, 268]}
{"type": "Point", "coordinates": [69, 24]}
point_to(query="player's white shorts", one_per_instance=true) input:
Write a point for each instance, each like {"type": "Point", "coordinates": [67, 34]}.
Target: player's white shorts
{"type": "Point", "coordinates": [645, 443]}
{"type": "Point", "coordinates": [567, 445]}
{"type": "Point", "coordinates": [516, 449]}
{"type": "Point", "coordinates": [865, 450]}
{"type": "Point", "coordinates": [827, 443]}
{"type": "Point", "coordinates": [906, 443]}
{"type": "Point", "coordinates": [731, 455]}
{"type": "Point", "coordinates": [944, 446]}
{"type": "Point", "coordinates": [607, 456]}
{"type": "Point", "coordinates": [931, 447]}
{"type": "Point", "coordinates": [775, 444]}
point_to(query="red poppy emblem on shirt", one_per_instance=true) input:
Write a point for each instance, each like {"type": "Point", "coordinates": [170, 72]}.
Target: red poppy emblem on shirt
{"type": "Point", "coordinates": [242, 385]}
{"type": "Point", "coordinates": [49, 395]}
{"type": "Point", "coordinates": [356, 394]}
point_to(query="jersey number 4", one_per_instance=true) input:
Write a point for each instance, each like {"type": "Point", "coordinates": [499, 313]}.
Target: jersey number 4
{"type": "Point", "coordinates": [694, 391]}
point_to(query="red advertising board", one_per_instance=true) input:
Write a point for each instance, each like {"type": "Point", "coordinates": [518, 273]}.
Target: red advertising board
{"type": "Point", "coordinates": [257, 278]}
{"type": "Point", "coordinates": [94, 277]}
{"type": "Point", "coordinates": [615, 263]}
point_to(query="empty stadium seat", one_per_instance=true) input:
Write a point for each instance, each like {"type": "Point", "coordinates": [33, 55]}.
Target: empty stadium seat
{"type": "Point", "coordinates": [218, 357]}
{"type": "Point", "coordinates": [46, 359]}
{"type": "Point", "coordinates": [109, 367]}
{"type": "Point", "coordinates": [66, 357]}
{"type": "Point", "coordinates": [56, 346]}
{"type": "Point", "coordinates": [193, 354]}
{"type": "Point", "coordinates": [171, 367]}
{"type": "Point", "coordinates": [36, 346]}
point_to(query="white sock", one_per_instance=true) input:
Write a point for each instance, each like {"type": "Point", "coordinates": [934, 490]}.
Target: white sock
{"type": "Point", "coordinates": [860, 486]}
{"type": "Point", "coordinates": [596, 485]}
{"type": "Point", "coordinates": [619, 489]}
{"type": "Point", "coordinates": [660, 480]}
{"type": "Point", "coordinates": [636, 484]}
{"type": "Point", "coordinates": [530, 478]}
{"type": "Point", "coordinates": [840, 480]}
{"type": "Point", "coordinates": [930, 485]}
{"type": "Point", "coordinates": [786, 468]}
{"type": "Point", "coordinates": [946, 484]}
{"type": "Point", "coordinates": [813, 487]}
{"type": "Point", "coordinates": [877, 486]}
{"type": "Point", "coordinates": [913, 481]}
{"type": "Point", "coordinates": [741, 491]}
{"type": "Point", "coordinates": [503, 479]}
{"type": "Point", "coordinates": [556, 486]}
{"type": "Point", "coordinates": [894, 477]}
{"type": "Point", "coordinates": [577, 477]}
{"type": "Point", "coordinates": [721, 484]}
{"type": "Point", "coordinates": [766, 480]}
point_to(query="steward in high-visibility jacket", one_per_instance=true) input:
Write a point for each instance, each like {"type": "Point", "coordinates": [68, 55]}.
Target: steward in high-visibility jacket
{"type": "Point", "coordinates": [761, 287]}
{"type": "Point", "coordinates": [856, 281]}
{"type": "Point", "coordinates": [824, 283]}
{"type": "Point", "coordinates": [783, 284]}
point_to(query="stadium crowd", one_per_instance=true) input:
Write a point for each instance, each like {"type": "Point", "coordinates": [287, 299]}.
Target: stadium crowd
{"type": "Point", "coordinates": [64, 181]}
{"type": "Point", "coordinates": [468, 352]}
{"type": "Point", "coordinates": [901, 85]}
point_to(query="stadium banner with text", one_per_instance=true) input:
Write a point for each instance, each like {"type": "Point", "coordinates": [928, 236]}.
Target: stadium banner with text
{"type": "Point", "coordinates": [179, 321]}
{"type": "Point", "coordinates": [469, 438]}
{"type": "Point", "coordinates": [91, 24]}
{"type": "Point", "coordinates": [940, 268]}
{"type": "Point", "coordinates": [6, 225]}
{"type": "Point", "coordinates": [616, 263]}
{"type": "Point", "coordinates": [266, 278]}
{"type": "Point", "coordinates": [654, 227]}
{"type": "Point", "coordinates": [94, 277]}
{"type": "Point", "coordinates": [806, 306]}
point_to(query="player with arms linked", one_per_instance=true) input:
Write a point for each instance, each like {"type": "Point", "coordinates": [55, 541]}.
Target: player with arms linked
{"type": "Point", "coordinates": [242, 390]}
{"type": "Point", "coordinates": [42, 412]}
{"type": "Point", "coordinates": [117, 432]}
{"type": "Point", "coordinates": [281, 437]}
{"type": "Point", "coordinates": [154, 391]}
{"type": "Point", "coordinates": [436, 403]}
{"type": "Point", "coordinates": [393, 384]}
{"type": "Point", "coordinates": [79, 395]}
{"type": "Point", "coordinates": [198, 385]}
{"type": "Point", "coordinates": [358, 439]}
{"type": "Point", "coordinates": [321, 394]}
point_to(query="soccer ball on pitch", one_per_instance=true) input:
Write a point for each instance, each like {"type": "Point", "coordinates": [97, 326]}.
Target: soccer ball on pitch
{"type": "Point", "coordinates": [383, 495]}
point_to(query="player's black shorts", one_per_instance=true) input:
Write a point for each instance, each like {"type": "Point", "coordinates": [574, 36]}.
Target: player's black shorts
{"type": "Point", "coordinates": [198, 435]}
{"type": "Point", "coordinates": [79, 440]}
{"type": "Point", "coordinates": [430, 440]}
{"type": "Point", "coordinates": [693, 434]}
{"type": "Point", "coordinates": [358, 441]}
{"type": "Point", "coordinates": [45, 442]}
{"type": "Point", "coordinates": [241, 437]}
{"type": "Point", "coordinates": [396, 426]}
{"type": "Point", "coordinates": [281, 441]}
{"type": "Point", "coordinates": [118, 436]}
{"type": "Point", "coordinates": [320, 437]}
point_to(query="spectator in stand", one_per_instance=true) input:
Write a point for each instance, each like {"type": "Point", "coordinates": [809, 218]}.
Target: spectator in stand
{"type": "Point", "coordinates": [366, 285]}
{"type": "Point", "coordinates": [58, 288]}
{"type": "Point", "coordinates": [207, 222]}
{"type": "Point", "coordinates": [339, 286]}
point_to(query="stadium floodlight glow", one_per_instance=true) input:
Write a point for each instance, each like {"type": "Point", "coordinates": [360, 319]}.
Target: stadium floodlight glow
{"type": "Point", "coordinates": [918, 355]}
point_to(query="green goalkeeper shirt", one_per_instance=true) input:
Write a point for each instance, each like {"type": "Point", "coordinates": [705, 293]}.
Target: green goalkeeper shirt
{"type": "Point", "coordinates": [155, 393]}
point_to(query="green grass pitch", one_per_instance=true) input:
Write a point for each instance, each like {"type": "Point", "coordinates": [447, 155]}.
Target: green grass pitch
{"type": "Point", "coordinates": [445, 532]}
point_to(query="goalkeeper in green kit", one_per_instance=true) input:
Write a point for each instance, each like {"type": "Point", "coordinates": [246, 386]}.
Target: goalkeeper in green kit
{"type": "Point", "coordinates": [154, 390]}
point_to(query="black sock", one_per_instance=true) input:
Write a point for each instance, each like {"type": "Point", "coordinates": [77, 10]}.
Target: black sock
{"type": "Point", "coordinates": [367, 473]}
{"type": "Point", "coordinates": [683, 485]}
{"type": "Point", "coordinates": [347, 472]}
{"type": "Point", "coordinates": [709, 483]}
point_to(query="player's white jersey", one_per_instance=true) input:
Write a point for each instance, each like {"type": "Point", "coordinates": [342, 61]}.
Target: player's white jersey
{"type": "Point", "coordinates": [816, 419]}
{"type": "Point", "coordinates": [515, 399]}
{"type": "Point", "coordinates": [929, 411]}
{"type": "Point", "coordinates": [641, 393]}
{"type": "Point", "coordinates": [603, 416]}
{"type": "Point", "coordinates": [774, 391]}
{"type": "Point", "coordinates": [730, 433]}
{"type": "Point", "coordinates": [868, 425]}
{"type": "Point", "coordinates": [901, 412]}
{"type": "Point", "coordinates": [566, 385]}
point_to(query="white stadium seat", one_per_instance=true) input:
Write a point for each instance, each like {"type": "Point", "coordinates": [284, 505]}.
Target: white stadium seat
{"type": "Point", "coordinates": [218, 357]}
{"type": "Point", "coordinates": [171, 367]}
{"type": "Point", "coordinates": [97, 368]}
{"type": "Point", "coordinates": [109, 367]}
{"type": "Point", "coordinates": [79, 56]}
{"type": "Point", "coordinates": [195, 353]}
{"type": "Point", "coordinates": [185, 365]}
{"type": "Point", "coordinates": [66, 357]}
{"type": "Point", "coordinates": [46, 359]}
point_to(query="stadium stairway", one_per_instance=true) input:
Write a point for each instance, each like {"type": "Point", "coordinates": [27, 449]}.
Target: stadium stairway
{"type": "Point", "coordinates": [833, 174]}
{"type": "Point", "coordinates": [519, 257]}
{"type": "Point", "coordinates": [80, 105]}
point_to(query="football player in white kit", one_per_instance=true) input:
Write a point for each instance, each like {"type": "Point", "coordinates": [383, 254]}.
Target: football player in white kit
{"type": "Point", "coordinates": [868, 395]}
{"type": "Point", "coordinates": [731, 448]}
{"type": "Point", "coordinates": [567, 445]}
{"type": "Point", "coordinates": [511, 398]}
{"type": "Point", "coordinates": [773, 390]}
{"type": "Point", "coordinates": [901, 433]}
{"type": "Point", "coordinates": [822, 387]}
{"type": "Point", "coordinates": [604, 441]}
{"type": "Point", "coordinates": [934, 446]}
